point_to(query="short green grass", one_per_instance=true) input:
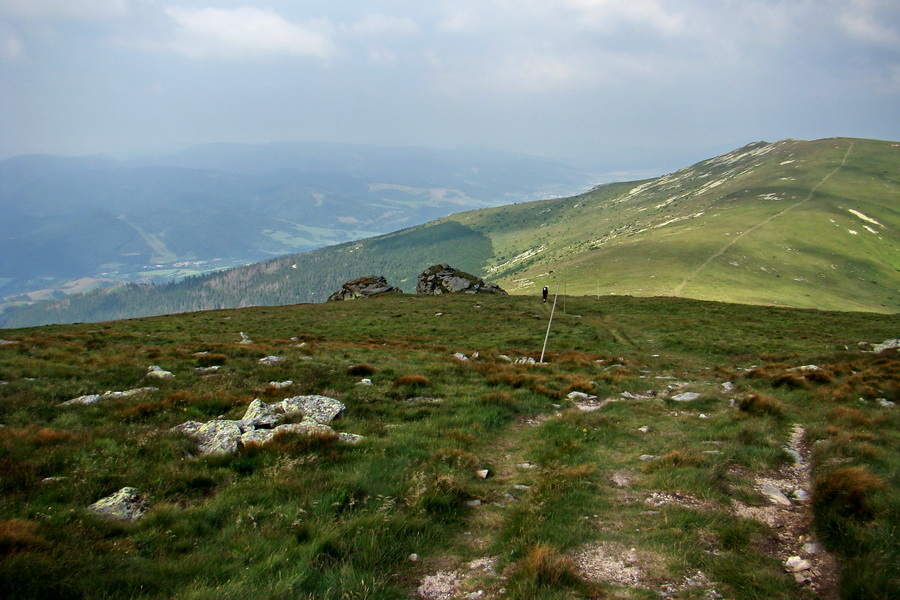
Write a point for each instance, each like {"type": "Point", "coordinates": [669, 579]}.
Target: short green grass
{"type": "Point", "coordinates": [310, 517]}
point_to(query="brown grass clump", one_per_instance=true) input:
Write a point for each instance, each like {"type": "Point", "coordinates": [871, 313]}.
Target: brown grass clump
{"type": "Point", "coordinates": [412, 381]}
{"type": "Point", "coordinates": [457, 458]}
{"type": "Point", "coordinates": [501, 399]}
{"type": "Point", "coordinates": [142, 410]}
{"type": "Point", "coordinates": [847, 491]}
{"type": "Point", "coordinates": [17, 535]}
{"type": "Point", "coordinates": [361, 370]}
{"type": "Point", "coordinates": [295, 444]}
{"type": "Point", "coordinates": [211, 360]}
{"type": "Point", "coordinates": [680, 458]}
{"type": "Point", "coordinates": [546, 567]}
{"type": "Point", "coordinates": [848, 416]}
{"type": "Point", "coordinates": [760, 405]}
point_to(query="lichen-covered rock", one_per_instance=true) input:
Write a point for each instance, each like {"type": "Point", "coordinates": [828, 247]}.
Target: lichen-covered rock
{"type": "Point", "coordinates": [307, 426]}
{"type": "Point", "coordinates": [128, 504]}
{"type": "Point", "coordinates": [364, 287]}
{"type": "Point", "coordinates": [94, 398]}
{"type": "Point", "coordinates": [444, 279]}
{"type": "Point", "coordinates": [157, 373]}
{"type": "Point", "coordinates": [321, 409]}
{"type": "Point", "coordinates": [271, 360]}
{"type": "Point", "coordinates": [218, 437]}
{"type": "Point", "coordinates": [260, 415]}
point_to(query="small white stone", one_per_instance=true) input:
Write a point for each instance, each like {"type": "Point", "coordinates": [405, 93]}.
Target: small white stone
{"type": "Point", "coordinates": [795, 564]}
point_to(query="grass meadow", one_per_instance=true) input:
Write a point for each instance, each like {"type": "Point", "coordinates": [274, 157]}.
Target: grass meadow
{"type": "Point", "coordinates": [308, 516]}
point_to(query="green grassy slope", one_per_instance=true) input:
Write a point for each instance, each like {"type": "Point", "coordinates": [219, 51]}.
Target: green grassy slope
{"type": "Point", "coordinates": [807, 224]}
{"type": "Point", "coordinates": [792, 223]}
{"type": "Point", "coordinates": [666, 494]}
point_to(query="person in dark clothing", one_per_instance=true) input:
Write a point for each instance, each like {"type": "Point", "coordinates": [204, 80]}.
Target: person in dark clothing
{"type": "Point", "coordinates": [544, 293]}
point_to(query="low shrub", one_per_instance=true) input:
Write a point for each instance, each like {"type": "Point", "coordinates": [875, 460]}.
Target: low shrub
{"type": "Point", "coordinates": [211, 360]}
{"type": "Point", "coordinates": [846, 492]}
{"type": "Point", "coordinates": [546, 567]}
{"type": "Point", "coordinates": [361, 370]}
{"type": "Point", "coordinates": [760, 404]}
{"type": "Point", "coordinates": [415, 381]}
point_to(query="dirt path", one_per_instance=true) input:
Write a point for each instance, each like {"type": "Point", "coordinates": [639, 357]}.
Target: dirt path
{"type": "Point", "coordinates": [680, 288]}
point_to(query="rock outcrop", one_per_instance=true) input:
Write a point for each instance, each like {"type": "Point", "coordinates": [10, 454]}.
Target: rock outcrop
{"type": "Point", "coordinates": [370, 285]}
{"type": "Point", "coordinates": [260, 424]}
{"type": "Point", "coordinates": [444, 279]}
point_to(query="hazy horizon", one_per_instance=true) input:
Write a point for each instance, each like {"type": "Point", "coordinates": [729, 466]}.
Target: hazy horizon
{"type": "Point", "coordinates": [636, 84]}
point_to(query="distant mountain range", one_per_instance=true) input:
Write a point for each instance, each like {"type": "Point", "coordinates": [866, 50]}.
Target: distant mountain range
{"type": "Point", "coordinates": [70, 222]}
{"type": "Point", "coordinates": [793, 223]}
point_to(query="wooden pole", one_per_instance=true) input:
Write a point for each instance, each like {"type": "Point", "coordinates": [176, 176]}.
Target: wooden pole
{"type": "Point", "coordinates": [552, 310]}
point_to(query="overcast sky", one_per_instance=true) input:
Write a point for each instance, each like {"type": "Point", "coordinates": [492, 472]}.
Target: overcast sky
{"type": "Point", "coordinates": [622, 83]}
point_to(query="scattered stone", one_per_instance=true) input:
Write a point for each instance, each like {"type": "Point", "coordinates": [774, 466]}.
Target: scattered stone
{"type": "Point", "coordinates": [321, 409]}
{"type": "Point", "coordinates": [728, 386]}
{"type": "Point", "coordinates": [364, 382]}
{"type": "Point", "coordinates": [280, 385]}
{"type": "Point", "coordinates": [644, 429]}
{"type": "Point", "coordinates": [424, 400]}
{"type": "Point", "coordinates": [271, 360]}
{"type": "Point", "coordinates": [795, 564]}
{"type": "Point", "coordinates": [207, 370]}
{"type": "Point", "coordinates": [575, 396]}
{"type": "Point", "coordinates": [811, 548]}
{"type": "Point", "coordinates": [440, 586]}
{"type": "Point", "coordinates": [472, 503]}
{"type": "Point", "coordinates": [800, 495]}
{"type": "Point", "coordinates": [413, 557]}
{"type": "Point", "coordinates": [795, 456]}
{"type": "Point", "coordinates": [526, 466]}
{"type": "Point", "coordinates": [8, 342]}
{"type": "Point", "coordinates": [87, 399]}
{"type": "Point", "coordinates": [885, 403]}
{"type": "Point", "coordinates": [461, 356]}
{"type": "Point", "coordinates": [647, 457]}
{"type": "Point", "coordinates": [482, 473]}
{"type": "Point", "coordinates": [774, 494]}
{"type": "Point", "coordinates": [245, 339]}
{"type": "Point", "coordinates": [505, 358]}
{"type": "Point", "coordinates": [806, 369]}
{"type": "Point", "coordinates": [886, 345]}
{"type": "Point", "coordinates": [47, 480]}
{"type": "Point", "coordinates": [363, 287]}
{"type": "Point", "coordinates": [94, 398]}
{"type": "Point", "coordinates": [128, 504]}
{"type": "Point", "coordinates": [444, 279]}
{"type": "Point", "coordinates": [525, 361]}
{"type": "Point", "coordinates": [686, 397]}
{"type": "Point", "coordinates": [350, 438]}
{"type": "Point", "coordinates": [156, 372]}
{"type": "Point", "coordinates": [704, 416]}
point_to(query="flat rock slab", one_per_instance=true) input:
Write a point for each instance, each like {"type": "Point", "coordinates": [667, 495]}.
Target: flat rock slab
{"type": "Point", "coordinates": [128, 504]}
{"type": "Point", "coordinates": [321, 409]}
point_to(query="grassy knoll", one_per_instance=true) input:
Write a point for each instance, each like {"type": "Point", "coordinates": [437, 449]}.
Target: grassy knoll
{"type": "Point", "coordinates": [644, 496]}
